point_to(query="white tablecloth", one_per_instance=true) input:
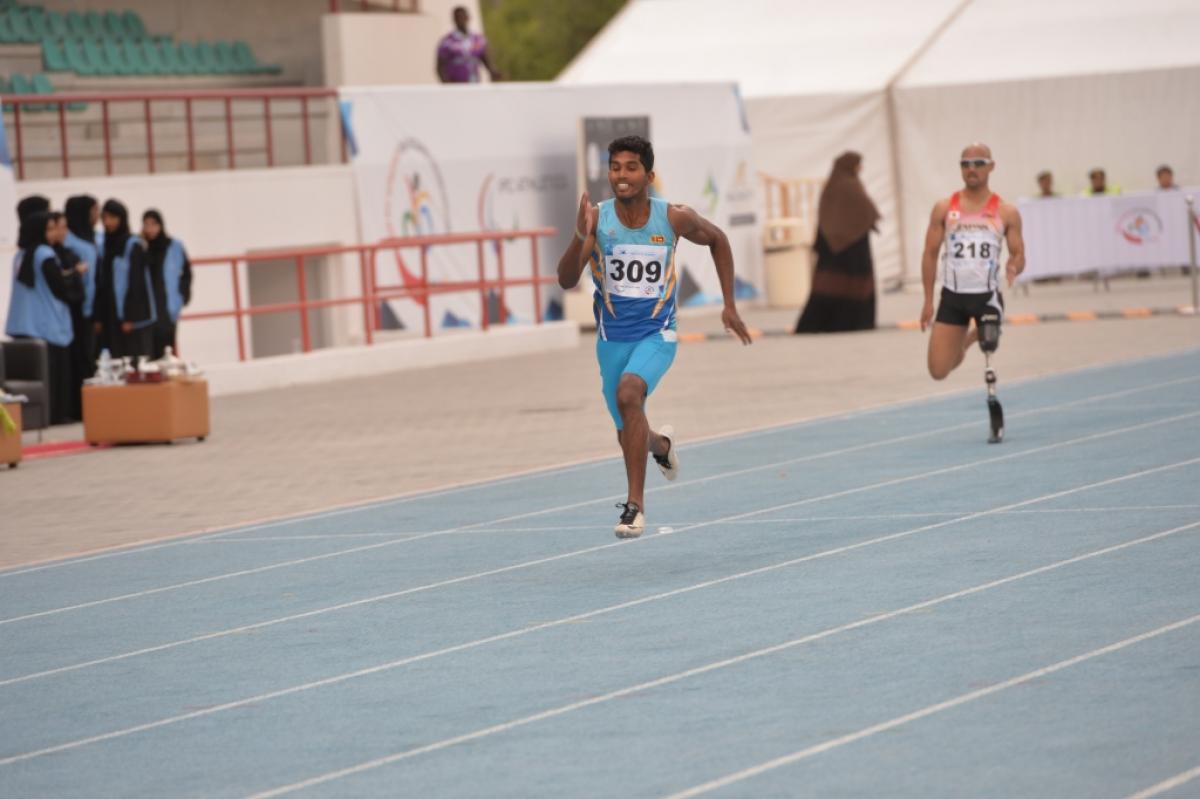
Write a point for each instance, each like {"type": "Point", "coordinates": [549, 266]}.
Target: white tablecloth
{"type": "Point", "coordinates": [1112, 233]}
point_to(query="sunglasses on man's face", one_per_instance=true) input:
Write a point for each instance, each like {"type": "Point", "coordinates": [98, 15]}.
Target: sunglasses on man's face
{"type": "Point", "coordinates": [977, 163]}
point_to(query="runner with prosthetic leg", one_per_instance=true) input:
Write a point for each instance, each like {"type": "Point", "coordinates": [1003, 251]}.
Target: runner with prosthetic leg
{"type": "Point", "coordinates": [974, 224]}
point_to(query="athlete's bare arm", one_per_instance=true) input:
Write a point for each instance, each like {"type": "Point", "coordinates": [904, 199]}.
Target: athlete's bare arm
{"type": "Point", "coordinates": [933, 245]}
{"type": "Point", "coordinates": [698, 230]}
{"type": "Point", "coordinates": [583, 241]}
{"type": "Point", "coordinates": [1011, 218]}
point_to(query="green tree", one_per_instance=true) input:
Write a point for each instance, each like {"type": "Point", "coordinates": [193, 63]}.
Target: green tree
{"type": "Point", "coordinates": [536, 39]}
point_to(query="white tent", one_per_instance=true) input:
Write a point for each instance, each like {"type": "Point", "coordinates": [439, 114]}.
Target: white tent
{"type": "Point", "coordinates": [1061, 84]}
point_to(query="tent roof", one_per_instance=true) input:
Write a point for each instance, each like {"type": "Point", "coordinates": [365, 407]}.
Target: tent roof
{"type": "Point", "coordinates": [797, 47]}
{"type": "Point", "coordinates": [770, 47]}
{"type": "Point", "coordinates": [1002, 40]}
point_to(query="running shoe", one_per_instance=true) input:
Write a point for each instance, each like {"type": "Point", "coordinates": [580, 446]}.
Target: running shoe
{"type": "Point", "coordinates": [633, 521]}
{"type": "Point", "coordinates": [668, 464]}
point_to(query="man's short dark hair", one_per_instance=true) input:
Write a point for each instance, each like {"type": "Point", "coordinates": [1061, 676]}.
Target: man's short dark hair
{"type": "Point", "coordinates": [634, 144]}
{"type": "Point", "coordinates": [1045, 173]}
{"type": "Point", "coordinates": [1164, 168]}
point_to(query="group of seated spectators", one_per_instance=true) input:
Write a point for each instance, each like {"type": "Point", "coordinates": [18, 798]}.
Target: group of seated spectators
{"type": "Point", "coordinates": [84, 282]}
{"type": "Point", "coordinates": [1098, 182]}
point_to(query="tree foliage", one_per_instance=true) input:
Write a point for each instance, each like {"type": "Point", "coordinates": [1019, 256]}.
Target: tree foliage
{"type": "Point", "coordinates": [536, 39]}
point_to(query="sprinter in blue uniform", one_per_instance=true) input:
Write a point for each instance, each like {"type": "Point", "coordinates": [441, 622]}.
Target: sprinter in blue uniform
{"type": "Point", "coordinates": [629, 245]}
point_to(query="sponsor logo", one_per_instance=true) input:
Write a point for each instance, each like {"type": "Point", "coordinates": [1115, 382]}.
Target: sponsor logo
{"type": "Point", "coordinates": [658, 239]}
{"type": "Point", "coordinates": [1140, 226]}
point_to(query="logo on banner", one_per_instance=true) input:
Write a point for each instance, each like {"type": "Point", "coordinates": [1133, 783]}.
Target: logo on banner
{"type": "Point", "coordinates": [1140, 226]}
{"type": "Point", "coordinates": [415, 201]}
{"type": "Point", "coordinates": [503, 197]}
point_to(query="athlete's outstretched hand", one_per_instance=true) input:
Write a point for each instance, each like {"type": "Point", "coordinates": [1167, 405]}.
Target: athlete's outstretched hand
{"type": "Point", "coordinates": [585, 220]}
{"type": "Point", "coordinates": [926, 315]}
{"type": "Point", "coordinates": [734, 324]}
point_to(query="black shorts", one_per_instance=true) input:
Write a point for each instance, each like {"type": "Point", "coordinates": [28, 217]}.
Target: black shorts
{"type": "Point", "coordinates": [960, 309]}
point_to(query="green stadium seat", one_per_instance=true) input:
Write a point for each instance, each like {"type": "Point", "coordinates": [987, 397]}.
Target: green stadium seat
{"type": "Point", "coordinates": [189, 58]}
{"type": "Point", "coordinates": [7, 34]}
{"type": "Point", "coordinates": [226, 63]}
{"type": "Point", "coordinates": [135, 57]}
{"type": "Point", "coordinates": [206, 58]}
{"type": "Point", "coordinates": [42, 85]}
{"type": "Point", "coordinates": [19, 84]}
{"type": "Point", "coordinates": [38, 22]}
{"type": "Point", "coordinates": [134, 25]}
{"type": "Point", "coordinates": [115, 55]}
{"type": "Point", "coordinates": [77, 57]}
{"type": "Point", "coordinates": [114, 26]}
{"type": "Point", "coordinates": [174, 61]}
{"type": "Point", "coordinates": [54, 57]}
{"type": "Point", "coordinates": [22, 25]}
{"type": "Point", "coordinates": [93, 24]}
{"type": "Point", "coordinates": [94, 50]}
{"type": "Point", "coordinates": [75, 24]}
{"type": "Point", "coordinates": [56, 25]}
{"type": "Point", "coordinates": [152, 54]}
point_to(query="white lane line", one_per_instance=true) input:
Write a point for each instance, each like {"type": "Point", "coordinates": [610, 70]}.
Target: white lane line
{"type": "Point", "coordinates": [191, 537]}
{"type": "Point", "coordinates": [929, 710]}
{"type": "Point", "coordinates": [580, 617]}
{"type": "Point", "coordinates": [633, 603]}
{"type": "Point", "coordinates": [1166, 785]}
{"type": "Point", "coordinates": [566, 528]}
{"type": "Point", "coordinates": [758, 653]}
{"type": "Point", "coordinates": [835, 495]}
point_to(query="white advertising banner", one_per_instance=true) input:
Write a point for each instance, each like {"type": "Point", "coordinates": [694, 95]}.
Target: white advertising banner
{"type": "Point", "coordinates": [503, 157]}
{"type": "Point", "coordinates": [1106, 234]}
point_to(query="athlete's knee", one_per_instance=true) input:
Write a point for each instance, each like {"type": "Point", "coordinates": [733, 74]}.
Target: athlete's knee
{"type": "Point", "coordinates": [631, 394]}
{"type": "Point", "coordinates": [989, 331]}
{"type": "Point", "coordinates": [939, 371]}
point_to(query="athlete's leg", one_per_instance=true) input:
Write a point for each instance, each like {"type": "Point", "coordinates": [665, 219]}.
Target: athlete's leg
{"type": "Point", "coordinates": [650, 360]}
{"type": "Point", "coordinates": [947, 347]}
{"type": "Point", "coordinates": [988, 324]}
{"type": "Point", "coordinates": [634, 435]}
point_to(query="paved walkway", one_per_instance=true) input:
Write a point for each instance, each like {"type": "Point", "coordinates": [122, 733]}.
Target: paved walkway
{"type": "Point", "coordinates": [307, 448]}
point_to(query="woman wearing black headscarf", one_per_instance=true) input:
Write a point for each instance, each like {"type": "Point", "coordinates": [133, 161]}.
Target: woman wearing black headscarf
{"type": "Point", "coordinates": [38, 306]}
{"type": "Point", "coordinates": [843, 286]}
{"type": "Point", "coordinates": [82, 213]}
{"type": "Point", "coordinates": [124, 312]}
{"type": "Point", "coordinates": [76, 273]}
{"type": "Point", "coordinates": [171, 276]}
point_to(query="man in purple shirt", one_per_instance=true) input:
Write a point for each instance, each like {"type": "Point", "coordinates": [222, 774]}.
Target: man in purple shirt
{"type": "Point", "coordinates": [460, 53]}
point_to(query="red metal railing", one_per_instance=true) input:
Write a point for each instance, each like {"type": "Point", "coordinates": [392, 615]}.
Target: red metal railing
{"type": "Point", "coordinates": [267, 96]}
{"type": "Point", "coordinates": [411, 6]}
{"type": "Point", "coordinates": [372, 294]}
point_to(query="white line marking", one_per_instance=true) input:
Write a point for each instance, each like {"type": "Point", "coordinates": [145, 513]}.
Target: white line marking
{"type": "Point", "coordinates": [1167, 784]}
{"type": "Point", "coordinates": [305, 516]}
{"type": "Point", "coordinates": [368, 547]}
{"type": "Point", "coordinates": [633, 603]}
{"type": "Point", "coordinates": [930, 710]}
{"type": "Point", "coordinates": [722, 664]}
{"type": "Point", "coordinates": [580, 617]}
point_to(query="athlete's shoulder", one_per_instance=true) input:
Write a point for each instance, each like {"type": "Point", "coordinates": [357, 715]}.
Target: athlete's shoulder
{"type": "Point", "coordinates": [940, 209]}
{"type": "Point", "coordinates": [1009, 214]}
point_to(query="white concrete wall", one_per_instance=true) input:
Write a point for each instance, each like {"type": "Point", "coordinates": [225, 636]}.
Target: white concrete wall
{"type": "Point", "coordinates": [225, 213]}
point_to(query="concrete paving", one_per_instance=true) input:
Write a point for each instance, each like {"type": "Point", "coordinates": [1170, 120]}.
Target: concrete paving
{"type": "Point", "coordinates": [308, 448]}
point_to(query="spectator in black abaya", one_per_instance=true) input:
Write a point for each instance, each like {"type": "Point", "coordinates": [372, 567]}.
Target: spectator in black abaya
{"type": "Point", "coordinates": [75, 272]}
{"type": "Point", "coordinates": [843, 285]}
{"type": "Point", "coordinates": [83, 213]}
{"type": "Point", "coordinates": [38, 307]}
{"type": "Point", "coordinates": [171, 276]}
{"type": "Point", "coordinates": [124, 311]}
